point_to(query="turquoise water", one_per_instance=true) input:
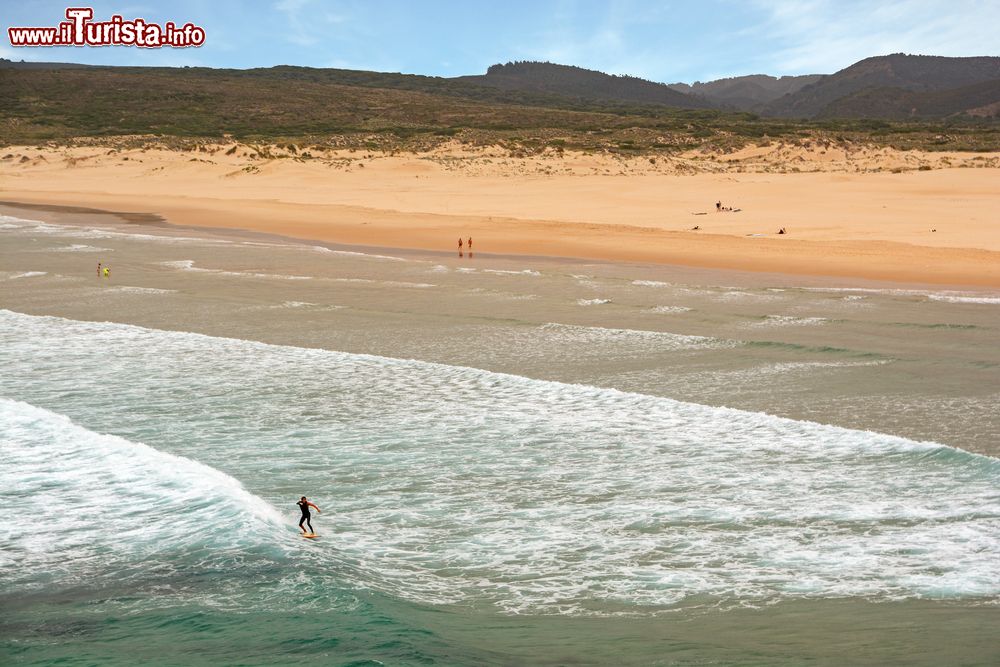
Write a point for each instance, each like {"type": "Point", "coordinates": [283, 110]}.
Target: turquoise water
{"type": "Point", "coordinates": [605, 510]}
{"type": "Point", "coordinates": [148, 483]}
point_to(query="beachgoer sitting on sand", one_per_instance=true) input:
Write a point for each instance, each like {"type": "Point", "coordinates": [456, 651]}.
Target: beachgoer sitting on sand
{"type": "Point", "coordinates": [696, 228]}
{"type": "Point", "coordinates": [781, 231]}
{"type": "Point", "coordinates": [718, 206]}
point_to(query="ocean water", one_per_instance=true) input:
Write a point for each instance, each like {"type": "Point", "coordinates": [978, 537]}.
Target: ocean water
{"type": "Point", "coordinates": [146, 471]}
{"type": "Point", "coordinates": [595, 503]}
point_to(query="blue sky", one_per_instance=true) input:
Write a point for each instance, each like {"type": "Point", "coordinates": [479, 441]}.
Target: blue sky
{"type": "Point", "coordinates": [662, 41]}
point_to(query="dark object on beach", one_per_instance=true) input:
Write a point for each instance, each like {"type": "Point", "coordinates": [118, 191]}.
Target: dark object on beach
{"type": "Point", "coordinates": [781, 231]}
{"type": "Point", "coordinates": [695, 228]}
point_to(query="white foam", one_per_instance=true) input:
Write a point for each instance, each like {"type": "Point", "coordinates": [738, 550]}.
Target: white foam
{"type": "Point", "coordinates": [650, 283]}
{"type": "Point", "coordinates": [669, 309]}
{"type": "Point", "coordinates": [662, 340]}
{"type": "Point", "coordinates": [128, 289]}
{"type": "Point", "coordinates": [507, 296]}
{"type": "Point", "coordinates": [26, 274]}
{"type": "Point", "coordinates": [743, 295]}
{"type": "Point", "coordinates": [991, 300]}
{"type": "Point", "coordinates": [592, 302]}
{"type": "Point", "coordinates": [404, 283]}
{"type": "Point", "coordinates": [948, 296]}
{"type": "Point", "coordinates": [364, 255]}
{"type": "Point", "coordinates": [188, 265]}
{"type": "Point", "coordinates": [13, 222]}
{"type": "Point", "coordinates": [83, 232]}
{"type": "Point", "coordinates": [185, 264]}
{"type": "Point", "coordinates": [85, 500]}
{"type": "Point", "coordinates": [788, 321]}
{"type": "Point", "coordinates": [385, 283]}
{"type": "Point", "coordinates": [76, 247]}
{"type": "Point", "coordinates": [506, 272]}
{"type": "Point", "coordinates": [455, 485]}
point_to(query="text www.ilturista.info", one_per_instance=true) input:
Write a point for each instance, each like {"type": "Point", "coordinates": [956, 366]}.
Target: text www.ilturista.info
{"type": "Point", "coordinates": [79, 30]}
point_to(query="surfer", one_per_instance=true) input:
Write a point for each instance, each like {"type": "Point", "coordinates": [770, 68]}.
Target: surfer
{"type": "Point", "coordinates": [304, 505]}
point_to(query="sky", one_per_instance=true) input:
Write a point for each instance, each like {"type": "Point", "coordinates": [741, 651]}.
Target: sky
{"type": "Point", "coordinates": [660, 41]}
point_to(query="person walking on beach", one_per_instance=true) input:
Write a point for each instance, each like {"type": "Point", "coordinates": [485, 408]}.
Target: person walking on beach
{"type": "Point", "coordinates": [304, 505]}
{"type": "Point", "coordinates": [107, 271]}
{"type": "Point", "coordinates": [98, 269]}
{"type": "Point", "coordinates": [469, 244]}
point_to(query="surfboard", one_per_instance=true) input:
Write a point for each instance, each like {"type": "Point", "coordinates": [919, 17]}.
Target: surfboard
{"type": "Point", "coordinates": [310, 535]}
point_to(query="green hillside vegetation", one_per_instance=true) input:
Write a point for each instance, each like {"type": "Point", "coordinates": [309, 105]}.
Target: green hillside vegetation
{"type": "Point", "coordinates": [900, 104]}
{"type": "Point", "coordinates": [881, 73]}
{"type": "Point", "coordinates": [400, 112]}
{"type": "Point", "coordinates": [582, 84]}
{"type": "Point", "coordinates": [748, 93]}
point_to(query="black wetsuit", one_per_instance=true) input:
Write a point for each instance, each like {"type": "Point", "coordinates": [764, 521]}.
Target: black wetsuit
{"type": "Point", "coordinates": [306, 516]}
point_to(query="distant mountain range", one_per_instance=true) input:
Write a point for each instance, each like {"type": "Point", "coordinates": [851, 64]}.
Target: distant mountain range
{"type": "Point", "coordinates": [896, 87]}
{"type": "Point", "coordinates": [876, 87]}
{"type": "Point", "coordinates": [747, 93]}
{"type": "Point", "coordinates": [583, 84]}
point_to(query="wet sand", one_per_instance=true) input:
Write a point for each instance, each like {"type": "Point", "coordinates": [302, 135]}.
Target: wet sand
{"type": "Point", "coordinates": [936, 226]}
{"type": "Point", "coordinates": [907, 359]}
{"type": "Point", "coordinates": [917, 360]}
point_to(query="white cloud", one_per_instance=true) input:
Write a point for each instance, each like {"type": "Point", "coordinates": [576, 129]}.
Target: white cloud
{"type": "Point", "coordinates": [300, 23]}
{"type": "Point", "coordinates": [822, 36]}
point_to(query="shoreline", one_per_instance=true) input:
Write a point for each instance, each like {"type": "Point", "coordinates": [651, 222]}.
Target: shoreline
{"type": "Point", "coordinates": [920, 227]}
{"type": "Point", "coordinates": [608, 324]}
{"type": "Point", "coordinates": [823, 262]}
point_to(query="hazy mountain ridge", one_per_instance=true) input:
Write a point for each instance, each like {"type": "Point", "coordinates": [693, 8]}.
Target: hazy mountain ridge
{"type": "Point", "coordinates": [530, 105]}
{"type": "Point", "coordinates": [543, 77]}
{"type": "Point", "coordinates": [978, 99]}
{"type": "Point", "coordinates": [886, 73]}
{"type": "Point", "coordinates": [750, 93]}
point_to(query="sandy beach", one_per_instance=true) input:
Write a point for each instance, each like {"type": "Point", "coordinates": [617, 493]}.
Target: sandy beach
{"type": "Point", "coordinates": [831, 436]}
{"type": "Point", "coordinates": [861, 213]}
{"type": "Point", "coordinates": [485, 335]}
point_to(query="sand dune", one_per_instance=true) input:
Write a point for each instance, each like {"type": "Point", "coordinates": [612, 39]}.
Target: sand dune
{"type": "Point", "coordinates": [849, 211]}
